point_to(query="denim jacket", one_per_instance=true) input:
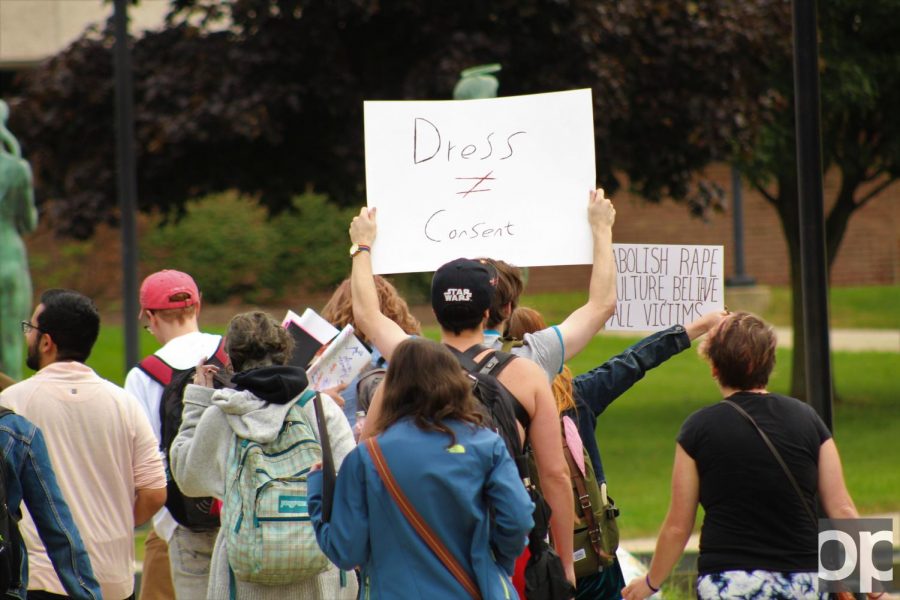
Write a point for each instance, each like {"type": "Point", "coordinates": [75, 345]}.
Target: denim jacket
{"type": "Point", "coordinates": [596, 389]}
{"type": "Point", "coordinates": [30, 477]}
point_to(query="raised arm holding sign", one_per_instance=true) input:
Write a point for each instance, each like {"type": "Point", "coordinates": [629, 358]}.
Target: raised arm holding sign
{"type": "Point", "coordinates": [461, 306]}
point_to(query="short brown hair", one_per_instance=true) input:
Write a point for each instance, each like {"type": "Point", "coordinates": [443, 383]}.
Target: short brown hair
{"type": "Point", "coordinates": [339, 309]}
{"type": "Point", "coordinates": [170, 315]}
{"type": "Point", "coordinates": [255, 339]}
{"type": "Point", "coordinates": [741, 350]}
{"type": "Point", "coordinates": [510, 286]}
{"type": "Point", "coordinates": [424, 381]}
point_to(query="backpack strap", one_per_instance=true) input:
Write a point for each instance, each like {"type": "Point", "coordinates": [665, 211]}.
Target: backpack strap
{"type": "Point", "coordinates": [418, 523]}
{"type": "Point", "coordinates": [162, 372]}
{"type": "Point", "coordinates": [157, 369]}
{"type": "Point", "coordinates": [492, 364]}
{"type": "Point", "coordinates": [328, 471]}
{"type": "Point", "coordinates": [584, 501]}
{"type": "Point", "coordinates": [220, 357]}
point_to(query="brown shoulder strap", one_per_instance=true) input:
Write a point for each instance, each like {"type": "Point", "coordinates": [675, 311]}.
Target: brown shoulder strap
{"type": "Point", "coordinates": [419, 524]}
{"type": "Point", "coordinates": [584, 501]}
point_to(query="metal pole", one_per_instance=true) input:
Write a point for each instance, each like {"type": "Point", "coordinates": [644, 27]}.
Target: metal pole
{"type": "Point", "coordinates": [813, 264]}
{"type": "Point", "coordinates": [126, 179]}
{"type": "Point", "coordinates": [740, 278]}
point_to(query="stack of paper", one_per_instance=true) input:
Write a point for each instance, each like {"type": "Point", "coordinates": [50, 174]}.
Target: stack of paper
{"type": "Point", "coordinates": [341, 362]}
{"type": "Point", "coordinates": [310, 332]}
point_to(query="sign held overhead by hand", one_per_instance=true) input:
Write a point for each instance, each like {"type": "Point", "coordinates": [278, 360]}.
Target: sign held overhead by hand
{"type": "Point", "coordinates": [507, 178]}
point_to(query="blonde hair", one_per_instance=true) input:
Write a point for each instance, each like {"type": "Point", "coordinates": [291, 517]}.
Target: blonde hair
{"type": "Point", "coordinates": [339, 309]}
{"type": "Point", "coordinates": [563, 391]}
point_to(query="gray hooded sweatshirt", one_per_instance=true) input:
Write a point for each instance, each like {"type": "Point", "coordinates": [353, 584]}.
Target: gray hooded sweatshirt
{"type": "Point", "coordinates": [210, 421]}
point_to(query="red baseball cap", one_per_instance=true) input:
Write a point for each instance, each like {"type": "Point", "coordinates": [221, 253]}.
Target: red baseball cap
{"type": "Point", "coordinates": [158, 289]}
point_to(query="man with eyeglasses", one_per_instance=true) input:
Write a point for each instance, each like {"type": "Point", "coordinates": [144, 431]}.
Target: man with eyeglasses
{"type": "Point", "coordinates": [176, 559]}
{"type": "Point", "coordinates": [99, 440]}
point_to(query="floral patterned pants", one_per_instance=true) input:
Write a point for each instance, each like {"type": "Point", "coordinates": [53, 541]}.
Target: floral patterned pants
{"type": "Point", "coordinates": [758, 585]}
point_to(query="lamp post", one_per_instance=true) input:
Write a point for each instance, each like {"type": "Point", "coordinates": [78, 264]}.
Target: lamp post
{"type": "Point", "coordinates": [740, 278]}
{"type": "Point", "coordinates": [813, 264]}
{"type": "Point", "coordinates": [126, 178]}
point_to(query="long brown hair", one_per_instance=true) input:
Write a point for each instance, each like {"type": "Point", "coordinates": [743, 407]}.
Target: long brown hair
{"type": "Point", "coordinates": [424, 381]}
{"type": "Point", "coordinates": [527, 320]}
{"type": "Point", "coordinates": [339, 309]}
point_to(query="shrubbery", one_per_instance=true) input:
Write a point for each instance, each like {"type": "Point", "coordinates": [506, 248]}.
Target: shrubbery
{"type": "Point", "coordinates": [235, 250]}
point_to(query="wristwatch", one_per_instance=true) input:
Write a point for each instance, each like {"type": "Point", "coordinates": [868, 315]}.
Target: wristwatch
{"type": "Point", "coordinates": [357, 248]}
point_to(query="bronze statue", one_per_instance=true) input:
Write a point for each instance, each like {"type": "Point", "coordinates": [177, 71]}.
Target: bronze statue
{"type": "Point", "coordinates": [18, 215]}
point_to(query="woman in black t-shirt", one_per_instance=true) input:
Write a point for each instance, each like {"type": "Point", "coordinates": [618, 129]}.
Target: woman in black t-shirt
{"type": "Point", "coordinates": [759, 536]}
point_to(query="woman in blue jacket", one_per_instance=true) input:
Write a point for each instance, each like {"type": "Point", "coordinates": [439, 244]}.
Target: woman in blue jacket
{"type": "Point", "coordinates": [457, 475]}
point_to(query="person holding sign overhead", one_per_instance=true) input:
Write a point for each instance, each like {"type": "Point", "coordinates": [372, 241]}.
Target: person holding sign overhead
{"type": "Point", "coordinates": [462, 291]}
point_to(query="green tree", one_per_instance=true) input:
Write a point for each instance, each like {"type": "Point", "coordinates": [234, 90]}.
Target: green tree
{"type": "Point", "coordinates": [860, 89]}
{"type": "Point", "coordinates": [265, 96]}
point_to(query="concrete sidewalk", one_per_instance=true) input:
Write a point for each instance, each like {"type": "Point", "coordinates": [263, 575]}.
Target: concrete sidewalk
{"type": "Point", "coordinates": [850, 340]}
{"type": "Point", "coordinates": [853, 340]}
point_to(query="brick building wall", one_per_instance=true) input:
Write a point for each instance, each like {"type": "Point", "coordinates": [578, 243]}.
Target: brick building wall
{"type": "Point", "coordinates": [869, 254]}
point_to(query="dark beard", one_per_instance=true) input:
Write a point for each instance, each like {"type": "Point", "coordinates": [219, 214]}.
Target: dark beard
{"type": "Point", "coordinates": [33, 360]}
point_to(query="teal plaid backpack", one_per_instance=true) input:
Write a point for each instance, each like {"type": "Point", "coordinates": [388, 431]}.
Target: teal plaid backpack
{"type": "Point", "coordinates": [268, 534]}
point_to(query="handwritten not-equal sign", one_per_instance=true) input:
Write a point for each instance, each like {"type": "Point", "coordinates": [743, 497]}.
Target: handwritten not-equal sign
{"type": "Point", "coordinates": [478, 181]}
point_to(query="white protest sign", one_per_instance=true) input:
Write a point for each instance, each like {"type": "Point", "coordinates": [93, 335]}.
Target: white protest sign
{"type": "Point", "coordinates": [659, 285]}
{"type": "Point", "coordinates": [507, 178]}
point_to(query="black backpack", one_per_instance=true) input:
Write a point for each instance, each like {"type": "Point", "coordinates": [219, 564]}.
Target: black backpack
{"type": "Point", "coordinates": [197, 514]}
{"type": "Point", "coordinates": [544, 574]}
{"type": "Point", "coordinates": [500, 405]}
{"type": "Point", "coordinates": [10, 552]}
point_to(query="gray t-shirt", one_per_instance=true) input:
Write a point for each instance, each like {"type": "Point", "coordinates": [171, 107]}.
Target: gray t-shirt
{"type": "Point", "coordinates": [544, 347]}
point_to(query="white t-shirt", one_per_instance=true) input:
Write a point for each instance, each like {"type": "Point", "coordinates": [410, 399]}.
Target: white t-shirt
{"type": "Point", "coordinates": [182, 352]}
{"type": "Point", "coordinates": [544, 347]}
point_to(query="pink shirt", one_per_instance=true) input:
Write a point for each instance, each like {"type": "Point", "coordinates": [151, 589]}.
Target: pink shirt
{"type": "Point", "coordinates": [102, 449]}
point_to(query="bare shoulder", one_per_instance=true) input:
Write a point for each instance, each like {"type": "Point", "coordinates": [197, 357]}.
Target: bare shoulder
{"type": "Point", "coordinates": [525, 379]}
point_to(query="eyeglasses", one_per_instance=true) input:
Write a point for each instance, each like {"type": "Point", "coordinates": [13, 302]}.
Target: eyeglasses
{"type": "Point", "coordinates": [27, 326]}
